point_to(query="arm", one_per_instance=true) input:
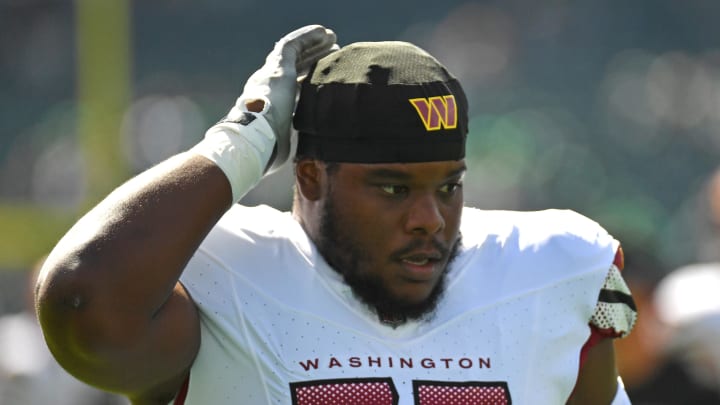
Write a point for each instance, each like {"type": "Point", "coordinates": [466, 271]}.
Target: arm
{"type": "Point", "coordinates": [108, 298]}
{"type": "Point", "coordinates": [614, 317]}
{"type": "Point", "coordinates": [597, 380]}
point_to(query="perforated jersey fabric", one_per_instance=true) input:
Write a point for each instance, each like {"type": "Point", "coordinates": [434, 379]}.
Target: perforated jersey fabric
{"type": "Point", "coordinates": [615, 312]}
{"type": "Point", "coordinates": [279, 326]}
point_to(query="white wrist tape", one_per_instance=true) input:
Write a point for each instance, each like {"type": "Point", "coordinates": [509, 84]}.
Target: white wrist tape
{"type": "Point", "coordinates": [241, 147]}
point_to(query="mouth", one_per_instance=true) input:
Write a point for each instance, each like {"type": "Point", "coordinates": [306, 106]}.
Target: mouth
{"type": "Point", "coordinates": [421, 267]}
{"type": "Point", "coordinates": [422, 258]}
{"type": "Point", "coordinates": [417, 262]}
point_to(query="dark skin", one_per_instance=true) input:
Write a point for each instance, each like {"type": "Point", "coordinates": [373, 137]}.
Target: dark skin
{"type": "Point", "coordinates": [414, 210]}
{"type": "Point", "coordinates": [115, 316]}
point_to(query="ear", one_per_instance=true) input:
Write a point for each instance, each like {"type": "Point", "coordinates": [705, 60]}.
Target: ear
{"type": "Point", "coordinates": [310, 175]}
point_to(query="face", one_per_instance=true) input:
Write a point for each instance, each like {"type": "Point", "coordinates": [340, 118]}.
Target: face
{"type": "Point", "coordinates": [391, 230]}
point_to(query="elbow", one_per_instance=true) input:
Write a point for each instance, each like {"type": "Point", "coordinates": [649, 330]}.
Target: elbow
{"type": "Point", "coordinates": [79, 331]}
{"type": "Point", "coordinates": [75, 330]}
{"type": "Point", "coordinates": [79, 316]}
{"type": "Point", "coordinates": [60, 302]}
{"type": "Point", "coordinates": [58, 291]}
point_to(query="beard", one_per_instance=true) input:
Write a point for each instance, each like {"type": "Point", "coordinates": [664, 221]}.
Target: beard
{"type": "Point", "coordinates": [347, 258]}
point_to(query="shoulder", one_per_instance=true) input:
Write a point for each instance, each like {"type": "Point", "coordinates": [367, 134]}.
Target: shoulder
{"type": "Point", "coordinates": [563, 229]}
{"type": "Point", "coordinates": [256, 225]}
{"type": "Point", "coordinates": [537, 246]}
{"type": "Point", "coordinates": [260, 219]}
{"type": "Point", "coordinates": [247, 237]}
{"type": "Point", "coordinates": [249, 249]}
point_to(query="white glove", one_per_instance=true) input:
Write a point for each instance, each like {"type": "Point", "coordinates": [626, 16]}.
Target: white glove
{"type": "Point", "coordinates": [276, 84]}
{"type": "Point", "coordinates": [254, 138]}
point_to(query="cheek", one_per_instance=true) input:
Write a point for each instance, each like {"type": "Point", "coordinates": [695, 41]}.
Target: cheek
{"type": "Point", "coordinates": [368, 227]}
{"type": "Point", "coordinates": [453, 215]}
{"type": "Point", "coordinates": [375, 229]}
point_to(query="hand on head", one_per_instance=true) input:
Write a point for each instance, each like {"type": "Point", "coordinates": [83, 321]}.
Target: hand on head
{"type": "Point", "coordinates": [272, 90]}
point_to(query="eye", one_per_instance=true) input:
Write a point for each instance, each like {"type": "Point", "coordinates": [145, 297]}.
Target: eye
{"type": "Point", "coordinates": [450, 188]}
{"type": "Point", "coordinates": [394, 189]}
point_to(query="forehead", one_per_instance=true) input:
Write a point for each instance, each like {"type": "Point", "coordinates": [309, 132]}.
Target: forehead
{"type": "Point", "coordinates": [404, 171]}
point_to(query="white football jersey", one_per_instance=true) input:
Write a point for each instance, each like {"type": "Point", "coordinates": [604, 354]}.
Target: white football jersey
{"type": "Point", "coordinates": [279, 326]}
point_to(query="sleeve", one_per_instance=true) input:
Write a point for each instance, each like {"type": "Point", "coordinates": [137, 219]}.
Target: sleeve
{"type": "Point", "coordinates": [615, 312]}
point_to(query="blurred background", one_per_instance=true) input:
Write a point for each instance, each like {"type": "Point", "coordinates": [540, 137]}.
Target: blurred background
{"type": "Point", "coordinates": [610, 108]}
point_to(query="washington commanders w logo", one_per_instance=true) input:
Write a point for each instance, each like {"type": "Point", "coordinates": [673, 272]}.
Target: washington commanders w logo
{"type": "Point", "coordinates": [436, 112]}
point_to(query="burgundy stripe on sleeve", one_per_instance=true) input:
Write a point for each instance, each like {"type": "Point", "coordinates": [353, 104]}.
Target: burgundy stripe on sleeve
{"type": "Point", "coordinates": [182, 394]}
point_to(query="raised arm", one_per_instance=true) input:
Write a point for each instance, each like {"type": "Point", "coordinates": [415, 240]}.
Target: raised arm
{"type": "Point", "coordinates": [108, 297]}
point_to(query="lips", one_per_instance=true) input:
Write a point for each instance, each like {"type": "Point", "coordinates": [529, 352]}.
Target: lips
{"type": "Point", "coordinates": [417, 262]}
{"type": "Point", "coordinates": [421, 258]}
{"type": "Point", "coordinates": [421, 266]}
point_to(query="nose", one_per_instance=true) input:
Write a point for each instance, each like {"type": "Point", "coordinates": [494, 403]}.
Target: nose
{"type": "Point", "coordinates": [424, 215]}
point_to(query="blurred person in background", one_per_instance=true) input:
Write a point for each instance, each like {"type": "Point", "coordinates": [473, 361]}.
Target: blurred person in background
{"type": "Point", "coordinates": [673, 355]}
{"type": "Point", "coordinates": [687, 302]}
{"type": "Point", "coordinates": [379, 287]}
{"type": "Point", "coordinates": [29, 375]}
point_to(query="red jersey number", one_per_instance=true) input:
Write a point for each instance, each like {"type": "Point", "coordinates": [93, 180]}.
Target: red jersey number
{"type": "Point", "coordinates": [382, 391]}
